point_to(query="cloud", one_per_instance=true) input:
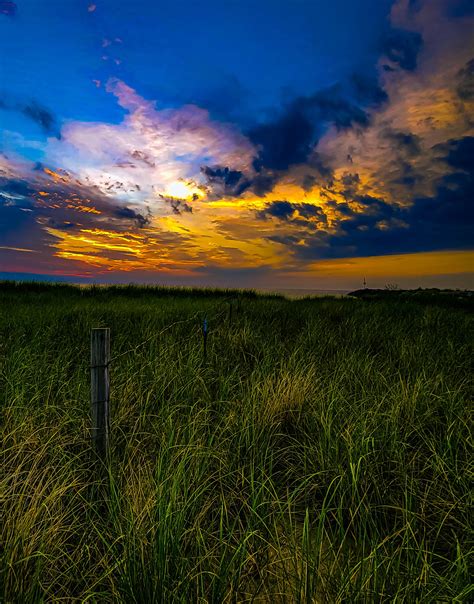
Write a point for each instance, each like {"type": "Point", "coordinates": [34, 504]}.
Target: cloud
{"type": "Point", "coordinates": [128, 213]}
{"type": "Point", "coordinates": [465, 88]}
{"type": "Point", "coordinates": [15, 189]}
{"type": "Point", "coordinates": [378, 164]}
{"type": "Point", "coordinates": [293, 135]}
{"type": "Point", "coordinates": [459, 154]}
{"type": "Point", "coordinates": [460, 8]}
{"type": "Point", "coordinates": [151, 149]}
{"type": "Point", "coordinates": [402, 47]}
{"type": "Point", "coordinates": [57, 197]}
{"type": "Point", "coordinates": [34, 111]}
{"type": "Point", "coordinates": [8, 8]}
{"type": "Point", "coordinates": [42, 116]}
{"type": "Point", "coordinates": [406, 143]}
{"type": "Point", "coordinates": [74, 227]}
{"type": "Point", "coordinates": [370, 226]}
{"type": "Point", "coordinates": [224, 181]}
{"type": "Point", "coordinates": [368, 90]}
{"type": "Point", "coordinates": [278, 209]}
{"type": "Point", "coordinates": [296, 213]}
{"type": "Point", "coordinates": [177, 205]}
{"type": "Point", "coordinates": [288, 140]}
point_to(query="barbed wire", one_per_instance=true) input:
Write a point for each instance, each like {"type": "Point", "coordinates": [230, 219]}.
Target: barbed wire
{"type": "Point", "coordinates": [155, 335]}
{"type": "Point", "coordinates": [168, 327]}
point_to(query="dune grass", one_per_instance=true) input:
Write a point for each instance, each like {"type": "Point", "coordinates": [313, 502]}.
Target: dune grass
{"type": "Point", "coordinates": [321, 454]}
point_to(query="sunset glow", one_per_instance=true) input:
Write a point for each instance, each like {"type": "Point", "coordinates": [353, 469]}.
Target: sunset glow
{"type": "Point", "coordinates": [273, 168]}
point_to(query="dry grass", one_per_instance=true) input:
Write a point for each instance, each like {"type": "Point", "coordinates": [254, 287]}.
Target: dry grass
{"type": "Point", "coordinates": [322, 454]}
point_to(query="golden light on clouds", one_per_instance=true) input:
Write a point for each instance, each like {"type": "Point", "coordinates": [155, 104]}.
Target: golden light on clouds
{"type": "Point", "coordinates": [353, 178]}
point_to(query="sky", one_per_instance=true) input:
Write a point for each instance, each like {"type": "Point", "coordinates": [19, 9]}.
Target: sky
{"type": "Point", "coordinates": [238, 143]}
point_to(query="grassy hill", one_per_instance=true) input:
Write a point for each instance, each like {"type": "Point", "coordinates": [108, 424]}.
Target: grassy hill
{"type": "Point", "coordinates": [449, 298]}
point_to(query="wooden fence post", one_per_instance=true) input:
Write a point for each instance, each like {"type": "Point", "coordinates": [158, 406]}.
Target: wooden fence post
{"type": "Point", "coordinates": [100, 388]}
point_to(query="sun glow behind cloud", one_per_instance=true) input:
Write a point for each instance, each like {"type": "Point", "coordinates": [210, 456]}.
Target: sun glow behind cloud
{"type": "Point", "coordinates": [374, 185]}
{"type": "Point", "coordinates": [182, 190]}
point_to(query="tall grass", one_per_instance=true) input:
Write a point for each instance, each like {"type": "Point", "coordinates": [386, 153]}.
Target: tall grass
{"type": "Point", "coordinates": [321, 454]}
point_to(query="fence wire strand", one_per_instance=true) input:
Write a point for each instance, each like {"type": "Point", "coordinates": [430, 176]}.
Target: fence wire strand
{"type": "Point", "coordinates": [168, 327]}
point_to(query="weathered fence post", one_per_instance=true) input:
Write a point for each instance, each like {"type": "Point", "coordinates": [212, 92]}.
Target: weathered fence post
{"type": "Point", "coordinates": [100, 387]}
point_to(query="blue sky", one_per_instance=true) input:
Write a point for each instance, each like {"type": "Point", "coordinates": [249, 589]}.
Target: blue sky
{"type": "Point", "coordinates": [180, 52]}
{"type": "Point", "coordinates": [275, 135]}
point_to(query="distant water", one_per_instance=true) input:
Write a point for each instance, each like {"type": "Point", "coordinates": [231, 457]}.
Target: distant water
{"type": "Point", "coordinates": [301, 293]}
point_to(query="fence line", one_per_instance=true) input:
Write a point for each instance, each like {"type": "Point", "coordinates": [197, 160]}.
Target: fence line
{"type": "Point", "coordinates": [195, 316]}
{"type": "Point", "coordinates": [100, 372]}
{"type": "Point", "coordinates": [155, 335]}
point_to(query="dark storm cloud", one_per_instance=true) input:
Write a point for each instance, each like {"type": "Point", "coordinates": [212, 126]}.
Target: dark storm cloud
{"type": "Point", "coordinates": [128, 213]}
{"type": "Point", "coordinates": [294, 212]}
{"type": "Point", "coordinates": [42, 116]}
{"type": "Point", "coordinates": [62, 225]}
{"type": "Point", "coordinates": [264, 182]}
{"type": "Point", "coordinates": [350, 180]}
{"type": "Point", "coordinates": [15, 188]}
{"type": "Point", "coordinates": [34, 111]}
{"type": "Point", "coordinates": [331, 106]}
{"type": "Point", "coordinates": [225, 181]}
{"type": "Point", "coordinates": [460, 8]}
{"type": "Point", "coordinates": [222, 181]}
{"type": "Point", "coordinates": [361, 232]}
{"type": "Point", "coordinates": [351, 183]}
{"type": "Point", "coordinates": [308, 182]}
{"type": "Point", "coordinates": [406, 143]}
{"type": "Point", "coordinates": [320, 166]}
{"type": "Point", "coordinates": [178, 205]}
{"type": "Point", "coordinates": [18, 224]}
{"type": "Point", "coordinates": [450, 211]}
{"type": "Point", "coordinates": [465, 88]}
{"type": "Point", "coordinates": [369, 226]}
{"type": "Point", "coordinates": [8, 8]}
{"type": "Point", "coordinates": [290, 138]}
{"type": "Point", "coordinates": [415, 5]}
{"type": "Point", "coordinates": [404, 148]}
{"type": "Point", "coordinates": [12, 220]}
{"type": "Point", "coordinates": [459, 153]}
{"type": "Point", "coordinates": [321, 173]}
{"type": "Point", "coordinates": [402, 47]}
{"type": "Point", "coordinates": [367, 90]}
{"type": "Point", "coordinates": [444, 221]}
{"type": "Point", "coordinates": [278, 209]}
{"type": "Point", "coordinates": [408, 175]}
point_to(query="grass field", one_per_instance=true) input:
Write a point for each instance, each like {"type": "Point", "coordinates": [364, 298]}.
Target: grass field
{"type": "Point", "coordinates": [320, 454]}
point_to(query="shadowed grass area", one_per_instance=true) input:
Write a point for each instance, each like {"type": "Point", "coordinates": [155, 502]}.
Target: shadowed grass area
{"type": "Point", "coordinates": [321, 454]}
